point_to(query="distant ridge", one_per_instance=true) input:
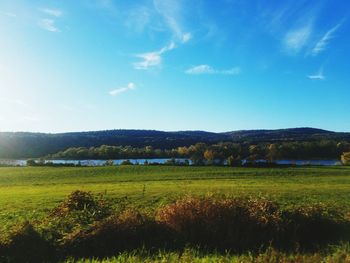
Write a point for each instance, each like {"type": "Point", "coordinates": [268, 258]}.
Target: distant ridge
{"type": "Point", "coordinates": [31, 145]}
{"type": "Point", "coordinates": [282, 134]}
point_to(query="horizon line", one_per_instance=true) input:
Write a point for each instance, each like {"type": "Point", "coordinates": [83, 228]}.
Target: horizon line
{"type": "Point", "coordinates": [170, 131]}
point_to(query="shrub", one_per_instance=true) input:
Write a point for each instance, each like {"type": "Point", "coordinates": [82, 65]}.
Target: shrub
{"type": "Point", "coordinates": [235, 224]}
{"type": "Point", "coordinates": [78, 211]}
{"type": "Point", "coordinates": [127, 231]}
{"type": "Point", "coordinates": [126, 162]}
{"type": "Point", "coordinates": [31, 162]}
{"type": "Point", "coordinates": [251, 224]}
{"type": "Point", "coordinates": [82, 226]}
{"type": "Point", "coordinates": [25, 244]}
{"type": "Point", "coordinates": [309, 227]}
{"type": "Point", "coordinates": [80, 201]}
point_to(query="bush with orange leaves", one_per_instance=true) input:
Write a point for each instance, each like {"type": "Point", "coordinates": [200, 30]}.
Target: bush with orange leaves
{"type": "Point", "coordinates": [252, 224]}
{"type": "Point", "coordinates": [235, 224]}
{"type": "Point", "coordinates": [125, 231]}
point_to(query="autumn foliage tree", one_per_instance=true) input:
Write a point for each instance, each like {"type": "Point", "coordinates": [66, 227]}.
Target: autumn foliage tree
{"type": "Point", "coordinates": [345, 158]}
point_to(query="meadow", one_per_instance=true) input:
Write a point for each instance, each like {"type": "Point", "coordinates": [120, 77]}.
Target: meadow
{"type": "Point", "coordinates": [29, 193]}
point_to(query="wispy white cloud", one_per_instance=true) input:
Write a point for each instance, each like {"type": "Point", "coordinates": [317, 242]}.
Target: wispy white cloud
{"type": "Point", "coordinates": [138, 18]}
{"type": "Point", "coordinates": [298, 38]}
{"type": "Point", "coordinates": [206, 69]}
{"type": "Point", "coordinates": [293, 23]}
{"type": "Point", "coordinates": [48, 24]}
{"type": "Point", "coordinates": [115, 92]}
{"type": "Point", "coordinates": [186, 37]}
{"type": "Point", "coordinates": [321, 45]}
{"type": "Point", "coordinates": [201, 69]}
{"type": "Point", "coordinates": [170, 10]}
{"type": "Point", "coordinates": [152, 59]}
{"type": "Point", "coordinates": [52, 12]}
{"type": "Point", "coordinates": [149, 60]}
{"type": "Point", "coordinates": [318, 76]}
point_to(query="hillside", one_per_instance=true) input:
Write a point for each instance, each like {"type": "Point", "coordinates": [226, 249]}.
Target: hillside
{"type": "Point", "coordinates": [31, 145]}
{"type": "Point", "coordinates": [293, 134]}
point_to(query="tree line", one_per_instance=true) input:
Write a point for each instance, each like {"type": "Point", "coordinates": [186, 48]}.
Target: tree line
{"type": "Point", "coordinates": [21, 145]}
{"type": "Point", "coordinates": [229, 152]}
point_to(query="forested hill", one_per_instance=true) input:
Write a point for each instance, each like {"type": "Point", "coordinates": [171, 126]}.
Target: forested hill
{"type": "Point", "coordinates": [31, 145]}
{"type": "Point", "coordinates": [294, 134]}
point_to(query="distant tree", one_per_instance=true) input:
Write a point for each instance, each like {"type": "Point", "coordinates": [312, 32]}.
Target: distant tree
{"type": "Point", "coordinates": [158, 153]}
{"type": "Point", "coordinates": [146, 152]}
{"type": "Point", "coordinates": [41, 162]}
{"type": "Point", "coordinates": [197, 153]}
{"type": "Point", "coordinates": [253, 153]}
{"type": "Point", "coordinates": [272, 151]}
{"type": "Point", "coordinates": [343, 147]}
{"type": "Point", "coordinates": [31, 162]}
{"type": "Point", "coordinates": [234, 160]}
{"type": "Point", "coordinates": [234, 149]}
{"type": "Point", "coordinates": [345, 158]}
{"type": "Point", "coordinates": [209, 156]}
{"type": "Point", "coordinates": [126, 162]}
{"type": "Point", "coordinates": [182, 151]}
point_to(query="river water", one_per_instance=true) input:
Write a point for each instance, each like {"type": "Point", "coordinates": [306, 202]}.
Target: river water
{"type": "Point", "coordinates": [162, 161]}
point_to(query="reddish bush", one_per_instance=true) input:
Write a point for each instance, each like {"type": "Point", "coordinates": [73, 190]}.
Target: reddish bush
{"type": "Point", "coordinates": [126, 231]}
{"type": "Point", "coordinates": [78, 227]}
{"type": "Point", "coordinates": [235, 224]}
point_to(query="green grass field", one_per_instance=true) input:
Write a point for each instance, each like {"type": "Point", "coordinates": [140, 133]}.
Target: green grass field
{"type": "Point", "coordinates": [30, 192]}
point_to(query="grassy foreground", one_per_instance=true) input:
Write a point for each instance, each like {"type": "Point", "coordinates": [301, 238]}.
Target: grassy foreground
{"type": "Point", "coordinates": [340, 255]}
{"type": "Point", "coordinates": [30, 193]}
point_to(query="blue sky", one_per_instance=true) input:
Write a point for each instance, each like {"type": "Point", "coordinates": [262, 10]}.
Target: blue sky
{"type": "Point", "coordinates": [174, 65]}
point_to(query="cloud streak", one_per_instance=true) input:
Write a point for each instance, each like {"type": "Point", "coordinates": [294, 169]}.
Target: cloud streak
{"type": "Point", "coordinates": [206, 69]}
{"type": "Point", "coordinates": [170, 10]}
{"type": "Point", "coordinates": [321, 45]}
{"type": "Point", "coordinates": [115, 92]}
{"type": "Point", "coordinates": [318, 76]}
{"type": "Point", "coordinates": [171, 13]}
{"type": "Point", "coordinates": [152, 59]}
{"type": "Point", "coordinates": [138, 19]}
{"type": "Point", "coordinates": [52, 12]}
{"type": "Point", "coordinates": [296, 39]}
{"type": "Point", "coordinates": [186, 37]}
{"type": "Point", "coordinates": [48, 25]}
